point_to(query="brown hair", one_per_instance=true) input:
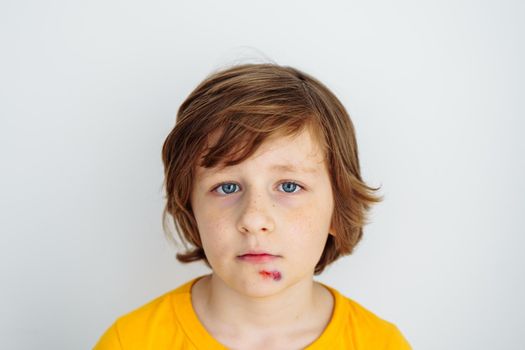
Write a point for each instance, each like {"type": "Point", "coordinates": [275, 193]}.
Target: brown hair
{"type": "Point", "coordinates": [244, 105]}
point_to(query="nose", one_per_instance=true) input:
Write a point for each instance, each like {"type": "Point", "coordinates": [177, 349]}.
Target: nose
{"type": "Point", "coordinates": [255, 216]}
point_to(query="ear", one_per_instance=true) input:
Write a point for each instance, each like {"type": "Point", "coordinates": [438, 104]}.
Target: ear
{"type": "Point", "coordinates": [332, 231]}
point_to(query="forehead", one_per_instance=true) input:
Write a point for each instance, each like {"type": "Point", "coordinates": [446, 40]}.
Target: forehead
{"type": "Point", "coordinates": [299, 153]}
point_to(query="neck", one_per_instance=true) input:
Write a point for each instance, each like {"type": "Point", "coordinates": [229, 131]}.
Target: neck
{"type": "Point", "coordinates": [238, 312]}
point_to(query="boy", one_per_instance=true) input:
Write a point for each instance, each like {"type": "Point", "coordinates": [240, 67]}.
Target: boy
{"type": "Point", "coordinates": [262, 179]}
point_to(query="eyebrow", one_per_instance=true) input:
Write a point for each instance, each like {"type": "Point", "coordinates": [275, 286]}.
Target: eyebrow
{"type": "Point", "coordinates": [291, 168]}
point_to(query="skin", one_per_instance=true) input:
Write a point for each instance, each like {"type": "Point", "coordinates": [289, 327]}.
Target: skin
{"type": "Point", "coordinates": [254, 206]}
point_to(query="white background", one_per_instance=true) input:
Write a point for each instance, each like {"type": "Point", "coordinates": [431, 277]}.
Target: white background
{"type": "Point", "coordinates": [89, 91]}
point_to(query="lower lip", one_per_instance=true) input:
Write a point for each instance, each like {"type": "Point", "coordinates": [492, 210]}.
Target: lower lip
{"type": "Point", "coordinates": [257, 258]}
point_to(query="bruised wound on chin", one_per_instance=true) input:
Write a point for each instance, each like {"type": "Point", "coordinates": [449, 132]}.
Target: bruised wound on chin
{"type": "Point", "coordinates": [275, 275]}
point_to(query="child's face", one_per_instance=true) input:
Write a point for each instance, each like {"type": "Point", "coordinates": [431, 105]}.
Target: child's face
{"type": "Point", "coordinates": [255, 207]}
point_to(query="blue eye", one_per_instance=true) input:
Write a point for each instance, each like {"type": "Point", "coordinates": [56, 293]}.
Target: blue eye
{"type": "Point", "coordinates": [227, 188]}
{"type": "Point", "coordinates": [289, 187]}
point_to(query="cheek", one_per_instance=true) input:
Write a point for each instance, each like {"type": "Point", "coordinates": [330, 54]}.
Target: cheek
{"type": "Point", "coordinates": [214, 235]}
{"type": "Point", "coordinates": [309, 226]}
{"type": "Point", "coordinates": [314, 216]}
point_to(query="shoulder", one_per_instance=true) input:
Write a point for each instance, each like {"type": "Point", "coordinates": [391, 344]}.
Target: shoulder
{"type": "Point", "coordinates": [156, 310]}
{"type": "Point", "coordinates": [151, 320]}
{"type": "Point", "coordinates": [375, 329]}
{"type": "Point", "coordinates": [367, 330]}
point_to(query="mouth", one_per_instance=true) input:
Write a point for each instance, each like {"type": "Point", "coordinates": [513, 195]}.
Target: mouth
{"type": "Point", "coordinates": [257, 258]}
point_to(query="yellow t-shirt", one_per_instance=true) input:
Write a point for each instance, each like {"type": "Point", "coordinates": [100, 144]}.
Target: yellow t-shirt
{"type": "Point", "coordinates": [169, 322]}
